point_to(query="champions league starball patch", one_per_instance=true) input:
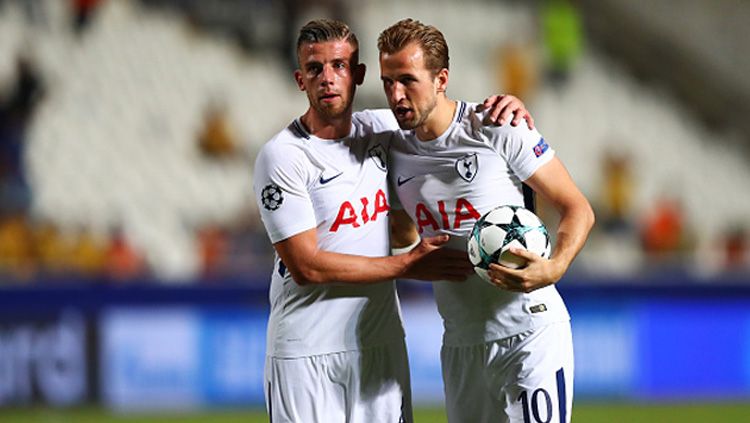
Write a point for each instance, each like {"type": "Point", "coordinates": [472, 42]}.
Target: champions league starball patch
{"type": "Point", "coordinates": [467, 166]}
{"type": "Point", "coordinates": [272, 196]}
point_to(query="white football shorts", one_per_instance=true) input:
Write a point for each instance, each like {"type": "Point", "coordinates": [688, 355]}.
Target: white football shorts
{"type": "Point", "coordinates": [366, 386]}
{"type": "Point", "coordinates": [526, 378]}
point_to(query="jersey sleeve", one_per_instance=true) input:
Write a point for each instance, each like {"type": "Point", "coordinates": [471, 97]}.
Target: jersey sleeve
{"type": "Point", "coordinates": [525, 150]}
{"type": "Point", "coordinates": [280, 182]}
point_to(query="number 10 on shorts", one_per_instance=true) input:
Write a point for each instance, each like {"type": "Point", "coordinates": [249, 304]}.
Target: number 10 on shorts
{"type": "Point", "coordinates": [538, 405]}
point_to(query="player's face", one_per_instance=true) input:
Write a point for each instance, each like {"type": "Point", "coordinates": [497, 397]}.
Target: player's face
{"type": "Point", "coordinates": [328, 73]}
{"type": "Point", "coordinates": [411, 88]}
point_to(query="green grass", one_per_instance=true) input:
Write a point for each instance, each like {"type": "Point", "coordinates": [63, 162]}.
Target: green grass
{"type": "Point", "coordinates": [583, 413]}
{"type": "Point", "coordinates": [662, 413]}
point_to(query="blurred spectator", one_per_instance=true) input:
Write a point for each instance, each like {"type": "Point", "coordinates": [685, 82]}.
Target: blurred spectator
{"type": "Point", "coordinates": [16, 112]}
{"type": "Point", "coordinates": [216, 138]}
{"type": "Point", "coordinates": [664, 232]}
{"type": "Point", "coordinates": [517, 70]}
{"type": "Point", "coordinates": [736, 249]}
{"type": "Point", "coordinates": [617, 193]}
{"type": "Point", "coordinates": [213, 244]}
{"type": "Point", "coordinates": [563, 38]}
{"type": "Point", "coordinates": [249, 254]}
{"type": "Point", "coordinates": [235, 248]}
{"type": "Point", "coordinates": [51, 249]}
{"type": "Point", "coordinates": [83, 11]}
{"type": "Point", "coordinates": [123, 262]}
{"type": "Point", "coordinates": [87, 254]}
{"type": "Point", "coordinates": [16, 248]}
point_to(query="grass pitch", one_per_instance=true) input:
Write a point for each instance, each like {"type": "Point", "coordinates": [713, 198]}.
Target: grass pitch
{"type": "Point", "coordinates": [582, 413]}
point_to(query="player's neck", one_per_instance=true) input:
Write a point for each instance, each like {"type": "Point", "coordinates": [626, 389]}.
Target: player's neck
{"type": "Point", "coordinates": [326, 127]}
{"type": "Point", "coordinates": [439, 121]}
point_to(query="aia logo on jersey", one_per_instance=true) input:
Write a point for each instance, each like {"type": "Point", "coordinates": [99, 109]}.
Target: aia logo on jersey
{"type": "Point", "coordinates": [540, 147]}
{"type": "Point", "coordinates": [467, 166]}
{"type": "Point", "coordinates": [377, 154]}
{"type": "Point", "coordinates": [356, 217]}
{"type": "Point", "coordinates": [272, 197]}
{"type": "Point", "coordinates": [448, 218]}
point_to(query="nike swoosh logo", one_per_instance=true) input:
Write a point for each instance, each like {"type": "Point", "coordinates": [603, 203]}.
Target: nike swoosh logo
{"type": "Point", "coordinates": [401, 181]}
{"type": "Point", "coordinates": [324, 181]}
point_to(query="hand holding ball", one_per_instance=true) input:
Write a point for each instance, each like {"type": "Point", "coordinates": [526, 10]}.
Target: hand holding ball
{"type": "Point", "coordinates": [499, 230]}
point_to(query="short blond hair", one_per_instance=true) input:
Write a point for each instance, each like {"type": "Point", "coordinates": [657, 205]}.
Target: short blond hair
{"type": "Point", "coordinates": [429, 38]}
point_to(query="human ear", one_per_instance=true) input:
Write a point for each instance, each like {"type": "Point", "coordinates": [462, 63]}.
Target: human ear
{"type": "Point", "coordinates": [298, 79]}
{"type": "Point", "coordinates": [441, 80]}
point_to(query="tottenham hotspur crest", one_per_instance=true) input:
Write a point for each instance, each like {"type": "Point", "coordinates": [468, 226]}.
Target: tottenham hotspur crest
{"type": "Point", "coordinates": [377, 154]}
{"type": "Point", "coordinates": [467, 166]}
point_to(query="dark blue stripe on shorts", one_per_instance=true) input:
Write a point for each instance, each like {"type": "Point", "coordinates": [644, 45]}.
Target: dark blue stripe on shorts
{"type": "Point", "coordinates": [562, 401]}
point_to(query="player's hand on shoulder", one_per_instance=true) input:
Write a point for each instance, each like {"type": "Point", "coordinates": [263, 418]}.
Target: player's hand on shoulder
{"type": "Point", "coordinates": [430, 261]}
{"type": "Point", "coordinates": [503, 108]}
{"type": "Point", "coordinates": [538, 273]}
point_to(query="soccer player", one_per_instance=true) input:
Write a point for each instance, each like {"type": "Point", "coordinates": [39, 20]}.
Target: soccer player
{"type": "Point", "coordinates": [335, 341]}
{"type": "Point", "coordinates": [507, 352]}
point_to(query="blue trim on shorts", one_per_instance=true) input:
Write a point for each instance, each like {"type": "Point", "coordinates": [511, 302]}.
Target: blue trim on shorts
{"type": "Point", "coordinates": [561, 396]}
{"type": "Point", "coordinates": [270, 404]}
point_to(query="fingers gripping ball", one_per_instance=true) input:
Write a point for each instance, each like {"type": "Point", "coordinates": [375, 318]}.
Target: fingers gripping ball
{"type": "Point", "coordinates": [502, 228]}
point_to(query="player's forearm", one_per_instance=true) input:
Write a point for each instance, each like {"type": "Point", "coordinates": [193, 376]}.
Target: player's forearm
{"type": "Point", "coordinates": [403, 231]}
{"type": "Point", "coordinates": [327, 267]}
{"type": "Point", "coordinates": [572, 233]}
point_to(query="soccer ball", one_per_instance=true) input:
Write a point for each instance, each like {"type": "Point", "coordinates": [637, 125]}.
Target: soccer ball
{"type": "Point", "coordinates": [502, 228]}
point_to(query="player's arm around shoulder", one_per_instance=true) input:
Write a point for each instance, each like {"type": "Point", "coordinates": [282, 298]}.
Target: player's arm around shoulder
{"type": "Point", "coordinates": [501, 118]}
{"type": "Point", "coordinates": [507, 139]}
{"type": "Point", "coordinates": [505, 108]}
{"type": "Point", "coordinates": [555, 184]}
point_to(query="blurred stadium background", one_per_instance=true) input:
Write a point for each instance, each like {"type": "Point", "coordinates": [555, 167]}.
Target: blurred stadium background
{"type": "Point", "coordinates": [133, 266]}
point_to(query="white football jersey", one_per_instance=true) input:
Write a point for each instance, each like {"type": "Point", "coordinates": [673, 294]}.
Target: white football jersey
{"type": "Point", "coordinates": [339, 188]}
{"type": "Point", "coordinates": [445, 185]}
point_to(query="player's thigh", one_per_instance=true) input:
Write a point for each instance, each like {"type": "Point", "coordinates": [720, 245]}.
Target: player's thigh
{"type": "Point", "coordinates": [467, 395]}
{"type": "Point", "coordinates": [538, 376]}
{"type": "Point", "coordinates": [365, 386]}
{"type": "Point", "coordinates": [380, 387]}
{"type": "Point", "coordinates": [301, 390]}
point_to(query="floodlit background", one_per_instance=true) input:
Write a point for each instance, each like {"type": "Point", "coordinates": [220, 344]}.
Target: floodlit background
{"type": "Point", "coordinates": [133, 263]}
